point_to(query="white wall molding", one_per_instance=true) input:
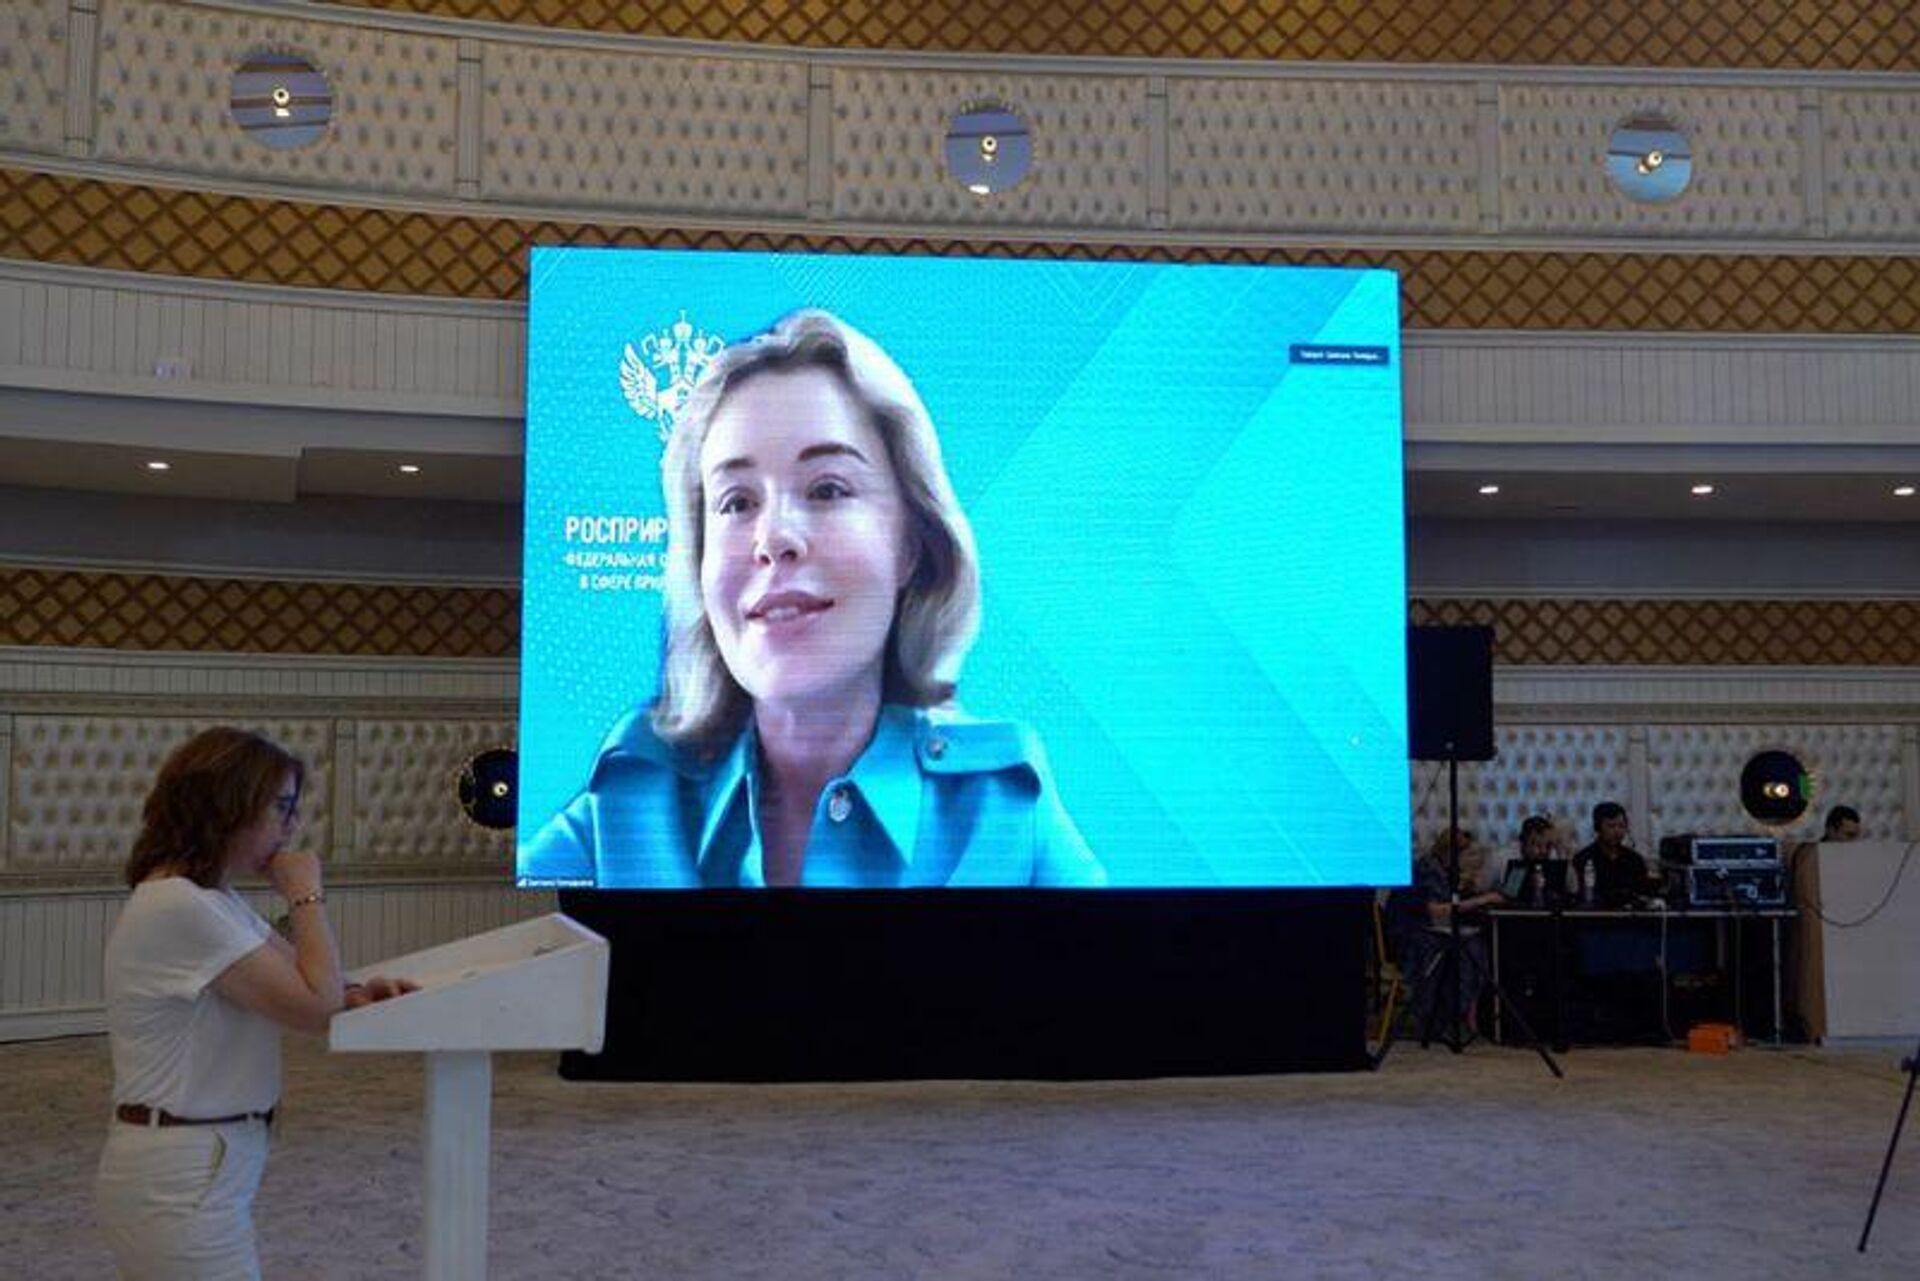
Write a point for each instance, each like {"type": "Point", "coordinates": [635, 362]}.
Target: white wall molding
{"type": "Point", "coordinates": [188, 287]}
{"type": "Point", "coordinates": [44, 1025]}
{"type": "Point", "coordinates": [6, 786]}
{"type": "Point", "coordinates": [1679, 694]}
{"type": "Point", "coordinates": [1662, 389]}
{"type": "Point", "coordinates": [83, 27]}
{"type": "Point", "coordinates": [86, 331]}
{"type": "Point", "coordinates": [124, 339]}
{"type": "Point", "coordinates": [32, 678]}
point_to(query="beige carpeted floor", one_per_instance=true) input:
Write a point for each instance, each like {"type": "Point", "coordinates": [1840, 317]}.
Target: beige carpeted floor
{"type": "Point", "coordinates": [1643, 1163]}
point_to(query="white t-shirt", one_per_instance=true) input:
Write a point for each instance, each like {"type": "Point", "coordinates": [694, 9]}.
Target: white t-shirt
{"type": "Point", "coordinates": [177, 1044]}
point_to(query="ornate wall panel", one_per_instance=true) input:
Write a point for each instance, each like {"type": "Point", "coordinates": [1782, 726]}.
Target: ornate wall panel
{"type": "Point", "coordinates": [1089, 148]}
{"type": "Point", "coordinates": [33, 74]}
{"type": "Point", "coordinates": [1705, 633]}
{"type": "Point", "coordinates": [86, 222]}
{"type": "Point", "coordinates": [1872, 164]}
{"type": "Point", "coordinates": [77, 783]}
{"type": "Point", "coordinates": [1696, 773]}
{"type": "Point", "coordinates": [1840, 34]}
{"type": "Point", "coordinates": [1558, 770]}
{"type": "Point", "coordinates": [1685, 779]}
{"type": "Point", "coordinates": [406, 774]}
{"type": "Point", "coordinates": [639, 132]}
{"type": "Point", "coordinates": [383, 754]}
{"type": "Point", "coordinates": [164, 78]}
{"type": "Point", "coordinates": [1746, 160]}
{"type": "Point", "coordinates": [655, 130]}
{"type": "Point", "coordinates": [253, 616]}
{"type": "Point", "coordinates": [1259, 154]}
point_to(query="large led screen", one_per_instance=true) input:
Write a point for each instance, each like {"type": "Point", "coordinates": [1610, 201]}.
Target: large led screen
{"type": "Point", "coordinates": [869, 572]}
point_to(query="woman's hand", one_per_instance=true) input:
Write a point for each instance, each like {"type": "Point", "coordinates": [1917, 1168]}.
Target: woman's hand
{"type": "Point", "coordinates": [297, 987]}
{"type": "Point", "coordinates": [295, 874]}
{"type": "Point", "coordinates": [378, 988]}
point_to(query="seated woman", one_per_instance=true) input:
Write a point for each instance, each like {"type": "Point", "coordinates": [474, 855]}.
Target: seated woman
{"type": "Point", "coordinates": [822, 590]}
{"type": "Point", "coordinates": [1426, 927]}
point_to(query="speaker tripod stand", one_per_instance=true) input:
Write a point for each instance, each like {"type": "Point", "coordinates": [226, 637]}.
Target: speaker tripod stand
{"type": "Point", "coordinates": [1450, 966]}
{"type": "Point", "coordinates": [1911, 1066]}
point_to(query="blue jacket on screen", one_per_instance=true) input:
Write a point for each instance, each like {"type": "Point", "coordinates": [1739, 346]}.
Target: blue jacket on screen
{"type": "Point", "coordinates": [933, 800]}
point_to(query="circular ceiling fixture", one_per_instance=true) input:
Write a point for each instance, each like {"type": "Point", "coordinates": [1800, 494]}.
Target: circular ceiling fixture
{"type": "Point", "coordinates": [1649, 159]}
{"type": "Point", "coordinates": [280, 99]}
{"type": "Point", "coordinates": [988, 147]}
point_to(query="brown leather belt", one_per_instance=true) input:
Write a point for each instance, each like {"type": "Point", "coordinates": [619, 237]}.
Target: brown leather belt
{"type": "Point", "coordinates": [141, 1114]}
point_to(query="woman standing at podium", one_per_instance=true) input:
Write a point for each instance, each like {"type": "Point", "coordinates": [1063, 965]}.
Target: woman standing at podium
{"type": "Point", "coordinates": [198, 988]}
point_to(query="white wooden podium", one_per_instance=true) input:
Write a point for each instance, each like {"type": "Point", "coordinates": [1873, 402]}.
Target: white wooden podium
{"type": "Point", "coordinates": [1859, 940]}
{"type": "Point", "coordinates": [538, 985]}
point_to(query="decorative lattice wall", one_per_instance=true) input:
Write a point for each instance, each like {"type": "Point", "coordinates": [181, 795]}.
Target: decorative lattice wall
{"type": "Point", "coordinates": [130, 227]}
{"type": "Point", "coordinates": [1841, 35]}
{"type": "Point", "coordinates": [42, 607]}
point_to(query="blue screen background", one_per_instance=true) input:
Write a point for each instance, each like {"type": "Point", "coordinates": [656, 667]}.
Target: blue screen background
{"type": "Point", "coordinates": [1191, 546]}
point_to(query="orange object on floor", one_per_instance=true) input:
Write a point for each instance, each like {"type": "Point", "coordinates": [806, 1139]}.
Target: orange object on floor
{"type": "Point", "coordinates": [1713, 1038]}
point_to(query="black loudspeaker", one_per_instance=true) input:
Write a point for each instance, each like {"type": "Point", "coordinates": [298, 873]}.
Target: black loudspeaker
{"type": "Point", "coordinates": [487, 786]}
{"type": "Point", "coordinates": [1450, 693]}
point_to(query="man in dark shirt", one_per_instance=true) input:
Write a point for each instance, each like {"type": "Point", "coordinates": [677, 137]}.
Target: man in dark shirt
{"type": "Point", "coordinates": [1613, 868]}
{"type": "Point", "coordinates": [1545, 859]}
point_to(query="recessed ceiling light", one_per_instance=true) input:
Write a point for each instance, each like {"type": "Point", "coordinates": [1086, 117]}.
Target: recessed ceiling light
{"type": "Point", "coordinates": [1489, 490]}
{"type": "Point", "coordinates": [1701, 491]}
{"type": "Point", "coordinates": [280, 99]}
{"type": "Point", "coordinates": [1903, 491]}
{"type": "Point", "coordinates": [157, 465]}
{"type": "Point", "coordinates": [988, 148]}
{"type": "Point", "coordinates": [409, 469]}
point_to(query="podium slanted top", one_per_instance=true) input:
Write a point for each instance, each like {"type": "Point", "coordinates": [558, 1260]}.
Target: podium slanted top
{"type": "Point", "coordinates": [537, 985]}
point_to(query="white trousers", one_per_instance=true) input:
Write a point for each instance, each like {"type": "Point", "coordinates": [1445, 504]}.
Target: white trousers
{"type": "Point", "coordinates": [176, 1202]}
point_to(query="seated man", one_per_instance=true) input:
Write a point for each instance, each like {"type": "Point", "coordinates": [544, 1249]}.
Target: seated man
{"type": "Point", "coordinates": [1544, 858]}
{"type": "Point", "coordinates": [1615, 872]}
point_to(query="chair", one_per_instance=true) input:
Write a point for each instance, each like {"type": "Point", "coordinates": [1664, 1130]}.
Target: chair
{"type": "Point", "coordinates": [1387, 979]}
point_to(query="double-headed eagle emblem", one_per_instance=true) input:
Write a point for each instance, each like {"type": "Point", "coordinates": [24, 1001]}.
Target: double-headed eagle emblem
{"type": "Point", "coordinates": [658, 378]}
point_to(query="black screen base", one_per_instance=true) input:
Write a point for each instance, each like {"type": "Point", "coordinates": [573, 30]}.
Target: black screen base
{"type": "Point", "coordinates": [950, 984]}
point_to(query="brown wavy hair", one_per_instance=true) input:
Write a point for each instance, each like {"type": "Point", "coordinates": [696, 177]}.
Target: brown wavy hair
{"type": "Point", "coordinates": [214, 784]}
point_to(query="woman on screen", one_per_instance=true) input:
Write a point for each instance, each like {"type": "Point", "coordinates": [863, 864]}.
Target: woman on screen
{"type": "Point", "coordinates": [822, 590]}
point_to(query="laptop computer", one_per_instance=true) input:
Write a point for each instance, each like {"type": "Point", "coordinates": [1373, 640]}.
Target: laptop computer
{"type": "Point", "coordinates": [1521, 885]}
